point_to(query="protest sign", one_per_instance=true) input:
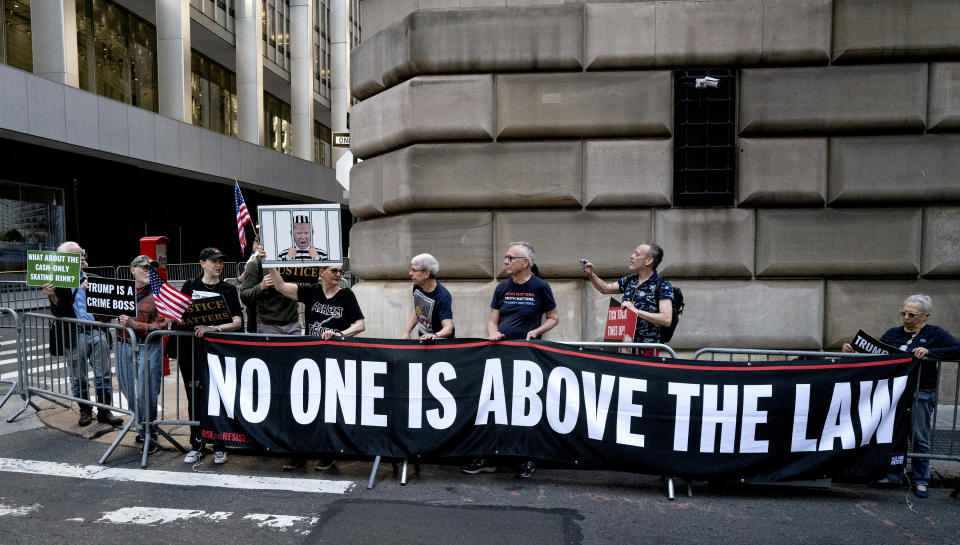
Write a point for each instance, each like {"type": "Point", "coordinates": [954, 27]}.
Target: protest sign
{"type": "Point", "coordinates": [865, 344]}
{"type": "Point", "coordinates": [207, 311]}
{"type": "Point", "coordinates": [302, 235]}
{"type": "Point", "coordinates": [61, 269]}
{"type": "Point", "coordinates": [621, 323]}
{"type": "Point", "coordinates": [762, 422]}
{"type": "Point", "coordinates": [111, 296]}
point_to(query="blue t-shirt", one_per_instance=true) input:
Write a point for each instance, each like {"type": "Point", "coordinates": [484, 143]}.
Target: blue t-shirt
{"type": "Point", "coordinates": [522, 306]}
{"type": "Point", "coordinates": [643, 297]}
{"type": "Point", "coordinates": [432, 308]}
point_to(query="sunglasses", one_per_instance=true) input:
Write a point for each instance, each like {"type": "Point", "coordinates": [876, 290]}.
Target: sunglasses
{"type": "Point", "coordinates": [336, 271]}
{"type": "Point", "coordinates": [911, 315]}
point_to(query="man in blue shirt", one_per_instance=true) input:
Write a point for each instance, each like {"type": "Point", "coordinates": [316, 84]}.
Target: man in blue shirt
{"type": "Point", "coordinates": [432, 304]}
{"type": "Point", "coordinates": [83, 345]}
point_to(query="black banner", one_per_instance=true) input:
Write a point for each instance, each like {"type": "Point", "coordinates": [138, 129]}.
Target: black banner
{"type": "Point", "coordinates": [763, 422]}
{"type": "Point", "coordinates": [111, 296]}
{"type": "Point", "coordinates": [207, 311]}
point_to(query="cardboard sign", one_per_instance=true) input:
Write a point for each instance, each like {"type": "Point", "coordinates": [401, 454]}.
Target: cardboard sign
{"type": "Point", "coordinates": [111, 296]}
{"type": "Point", "coordinates": [621, 323]}
{"type": "Point", "coordinates": [301, 235]}
{"type": "Point", "coordinates": [207, 311]}
{"type": "Point", "coordinates": [865, 344]}
{"type": "Point", "coordinates": [58, 268]}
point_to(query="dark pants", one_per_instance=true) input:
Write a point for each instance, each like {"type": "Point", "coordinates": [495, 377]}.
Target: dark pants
{"type": "Point", "coordinates": [192, 366]}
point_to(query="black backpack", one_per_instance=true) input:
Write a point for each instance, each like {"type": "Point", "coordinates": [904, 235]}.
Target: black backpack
{"type": "Point", "coordinates": [666, 332]}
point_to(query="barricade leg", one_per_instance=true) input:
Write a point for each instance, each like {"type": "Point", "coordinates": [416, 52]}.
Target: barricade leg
{"type": "Point", "coordinates": [373, 472]}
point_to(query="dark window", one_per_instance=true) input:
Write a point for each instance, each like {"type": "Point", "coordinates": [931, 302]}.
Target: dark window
{"type": "Point", "coordinates": [704, 142]}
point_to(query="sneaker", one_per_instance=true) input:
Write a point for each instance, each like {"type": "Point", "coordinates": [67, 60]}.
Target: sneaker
{"type": "Point", "coordinates": [324, 464]}
{"type": "Point", "coordinates": [154, 446]}
{"type": "Point", "coordinates": [139, 439]}
{"type": "Point", "coordinates": [192, 457]}
{"type": "Point", "coordinates": [478, 465]}
{"type": "Point", "coordinates": [293, 462]}
{"type": "Point", "coordinates": [526, 469]}
{"type": "Point", "coordinates": [219, 457]}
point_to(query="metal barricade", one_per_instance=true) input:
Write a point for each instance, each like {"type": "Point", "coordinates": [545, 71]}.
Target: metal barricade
{"type": "Point", "coordinates": [174, 401]}
{"type": "Point", "coordinates": [10, 345]}
{"type": "Point", "coordinates": [17, 295]}
{"type": "Point", "coordinates": [104, 271]}
{"type": "Point", "coordinates": [748, 355]}
{"type": "Point", "coordinates": [616, 346]}
{"type": "Point", "coordinates": [56, 359]}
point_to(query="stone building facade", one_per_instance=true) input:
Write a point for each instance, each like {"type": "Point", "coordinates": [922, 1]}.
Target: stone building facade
{"type": "Point", "coordinates": [558, 123]}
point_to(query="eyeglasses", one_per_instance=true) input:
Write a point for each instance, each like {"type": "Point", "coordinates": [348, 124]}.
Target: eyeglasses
{"type": "Point", "coordinates": [512, 257]}
{"type": "Point", "coordinates": [336, 271]}
{"type": "Point", "coordinates": [911, 315]}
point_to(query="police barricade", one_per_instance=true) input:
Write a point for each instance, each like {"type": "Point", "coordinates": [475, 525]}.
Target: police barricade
{"type": "Point", "coordinates": [174, 407]}
{"type": "Point", "coordinates": [61, 357]}
{"type": "Point", "coordinates": [18, 296]}
{"type": "Point", "coordinates": [10, 346]}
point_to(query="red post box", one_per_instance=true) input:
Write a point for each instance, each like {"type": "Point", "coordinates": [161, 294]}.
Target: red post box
{"type": "Point", "coordinates": [156, 247]}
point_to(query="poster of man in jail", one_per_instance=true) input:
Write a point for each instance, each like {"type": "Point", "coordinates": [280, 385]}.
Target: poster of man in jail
{"type": "Point", "coordinates": [307, 235]}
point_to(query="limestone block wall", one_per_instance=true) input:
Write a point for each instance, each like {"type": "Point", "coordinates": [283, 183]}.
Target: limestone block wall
{"type": "Point", "coordinates": [481, 122]}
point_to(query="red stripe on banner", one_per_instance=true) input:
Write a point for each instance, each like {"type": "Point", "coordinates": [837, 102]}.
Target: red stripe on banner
{"type": "Point", "coordinates": [663, 365]}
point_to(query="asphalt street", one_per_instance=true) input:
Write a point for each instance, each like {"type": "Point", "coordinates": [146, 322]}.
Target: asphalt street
{"type": "Point", "coordinates": [52, 490]}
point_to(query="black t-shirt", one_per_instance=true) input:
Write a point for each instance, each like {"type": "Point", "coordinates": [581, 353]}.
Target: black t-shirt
{"type": "Point", "coordinates": [522, 306]}
{"type": "Point", "coordinates": [197, 289]}
{"type": "Point", "coordinates": [336, 313]}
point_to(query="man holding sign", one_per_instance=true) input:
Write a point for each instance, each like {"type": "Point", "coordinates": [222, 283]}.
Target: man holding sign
{"type": "Point", "coordinates": [644, 293]}
{"type": "Point", "coordinates": [83, 345]}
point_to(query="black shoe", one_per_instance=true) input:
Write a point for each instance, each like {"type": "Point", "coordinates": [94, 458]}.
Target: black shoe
{"type": "Point", "coordinates": [921, 493]}
{"type": "Point", "coordinates": [884, 484]}
{"type": "Point", "coordinates": [139, 439]}
{"type": "Point", "coordinates": [292, 463]}
{"type": "Point", "coordinates": [526, 469]}
{"type": "Point", "coordinates": [478, 465]}
{"type": "Point", "coordinates": [86, 417]}
{"type": "Point", "coordinates": [324, 464]}
{"type": "Point", "coordinates": [104, 416]}
{"type": "Point", "coordinates": [154, 446]}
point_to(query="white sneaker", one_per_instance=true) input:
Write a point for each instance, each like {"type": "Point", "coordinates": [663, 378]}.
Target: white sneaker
{"type": "Point", "coordinates": [192, 457]}
{"type": "Point", "coordinates": [219, 457]}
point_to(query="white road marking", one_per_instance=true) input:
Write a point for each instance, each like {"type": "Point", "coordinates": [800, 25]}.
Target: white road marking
{"type": "Point", "coordinates": [5, 343]}
{"type": "Point", "coordinates": [17, 511]}
{"type": "Point", "coordinates": [154, 516]}
{"type": "Point", "coordinates": [175, 478]}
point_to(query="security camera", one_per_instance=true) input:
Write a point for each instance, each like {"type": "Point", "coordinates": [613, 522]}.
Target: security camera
{"type": "Point", "coordinates": [707, 82]}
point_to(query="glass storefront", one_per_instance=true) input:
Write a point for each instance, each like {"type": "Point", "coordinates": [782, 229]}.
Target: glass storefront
{"type": "Point", "coordinates": [31, 218]}
{"type": "Point", "coordinates": [117, 53]}
{"type": "Point", "coordinates": [16, 47]}
{"type": "Point", "coordinates": [214, 95]}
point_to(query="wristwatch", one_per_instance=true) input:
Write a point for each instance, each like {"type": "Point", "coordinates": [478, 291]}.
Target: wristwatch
{"type": "Point", "coordinates": [220, 329]}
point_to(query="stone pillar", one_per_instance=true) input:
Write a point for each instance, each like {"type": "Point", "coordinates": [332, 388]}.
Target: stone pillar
{"type": "Point", "coordinates": [249, 71]}
{"type": "Point", "coordinates": [53, 24]}
{"type": "Point", "coordinates": [301, 77]}
{"type": "Point", "coordinates": [339, 69]}
{"type": "Point", "coordinates": [173, 59]}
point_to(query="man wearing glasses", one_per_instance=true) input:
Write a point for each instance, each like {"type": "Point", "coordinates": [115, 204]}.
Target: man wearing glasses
{"type": "Point", "coordinates": [432, 304]}
{"type": "Point", "coordinates": [916, 337]}
{"type": "Point", "coordinates": [516, 313]}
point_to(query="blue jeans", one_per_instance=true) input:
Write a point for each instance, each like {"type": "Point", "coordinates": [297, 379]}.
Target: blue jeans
{"type": "Point", "coordinates": [91, 348]}
{"type": "Point", "coordinates": [129, 376]}
{"type": "Point", "coordinates": [922, 421]}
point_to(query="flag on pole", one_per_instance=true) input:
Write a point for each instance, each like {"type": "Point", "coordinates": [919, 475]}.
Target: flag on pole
{"type": "Point", "coordinates": [243, 215]}
{"type": "Point", "coordinates": [169, 301]}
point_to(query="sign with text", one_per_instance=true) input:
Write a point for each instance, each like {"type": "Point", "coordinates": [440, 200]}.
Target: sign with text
{"type": "Point", "coordinates": [865, 344]}
{"type": "Point", "coordinates": [58, 268]}
{"type": "Point", "coordinates": [111, 296]}
{"type": "Point", "coordinates": [341, 139]}
{"type": "Point", "coordinates": [763, 422]}
{"type": "Point", "coordinates": [207, 311]}
{"type": "Point", "coordinates": [621, 323]}
{"type": "Point", "coordinates": [300, 275]}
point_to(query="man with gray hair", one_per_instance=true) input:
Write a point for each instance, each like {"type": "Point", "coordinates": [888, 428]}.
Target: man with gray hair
{"type": "Point", "coordinates": [432, 303]}
{"type": "Point", "coordinates": [302, 250]}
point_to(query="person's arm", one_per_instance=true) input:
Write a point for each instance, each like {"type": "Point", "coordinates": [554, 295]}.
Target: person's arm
{"type": "Point", "coordinates": [411, 323]}
{"type": "Point", "coordinates": [598, 282]}
{"type": "Point", "coordinates": [662, 317]}
{"type": "Point", "coordinates": [493, 325]}
{"type": "Point", "coordinates": [447, 329]}
{"type": "Point", "coordinates": [947, 348]}
{"type": "Point", "coordinates": [287, 289]}
{"type": "Point", "coordinates": [553, 318]}
{"type": "Point", "coordinates": [250, 288]}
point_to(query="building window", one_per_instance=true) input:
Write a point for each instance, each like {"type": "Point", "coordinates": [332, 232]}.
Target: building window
{"type": "Point", "coordinates": [704, 141]}
{"type": "Point", "coordinates": [276, 119]}
{"type": "Point", "coordinates": [213, 95]}
{"type": "Point", "coordinates": [321, 145]}
{"type": "Point", "coordinates": [117, 53]}
{"type": "Point", "coordinates": [16, 47]}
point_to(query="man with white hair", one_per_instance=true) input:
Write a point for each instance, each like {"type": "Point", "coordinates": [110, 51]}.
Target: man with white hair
{"type": "Point", "coordinates": [432, 303]}
{"type": "Point", "coordinates": [302, 249]}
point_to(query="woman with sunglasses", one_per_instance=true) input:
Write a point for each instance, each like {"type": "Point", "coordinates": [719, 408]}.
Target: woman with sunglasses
{"type": "Point", "coordinates": [932, 342]}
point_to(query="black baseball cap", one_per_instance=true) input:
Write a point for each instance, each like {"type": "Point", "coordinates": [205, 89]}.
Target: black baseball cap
{"type": "Point", "coordinates": [209, 254]}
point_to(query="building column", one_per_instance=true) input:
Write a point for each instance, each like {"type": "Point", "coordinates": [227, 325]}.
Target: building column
{"type": "Point", "coordinates": [249, 71]}
{"type": "Point", "coordinates": [339, 69]}
{"type": "Point", "coordinates": [301, 77]}
{"type": "Point", "coordinates": [173, 59]}
{"type": "Point", "coordinates": [53, 24]}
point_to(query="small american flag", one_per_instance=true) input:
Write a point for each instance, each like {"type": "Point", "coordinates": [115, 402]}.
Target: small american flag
{"type": "Point", "coordinates": [243, 215]}
{"type": "Point", "coordinates": [170, 302]}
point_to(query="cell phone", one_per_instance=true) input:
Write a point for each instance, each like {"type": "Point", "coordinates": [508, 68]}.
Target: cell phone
{"type": "Point", "coordinates": [583, 265]}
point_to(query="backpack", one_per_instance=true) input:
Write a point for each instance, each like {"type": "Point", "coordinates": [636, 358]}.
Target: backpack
{"type": "Point", "coordinates": [666, 333]}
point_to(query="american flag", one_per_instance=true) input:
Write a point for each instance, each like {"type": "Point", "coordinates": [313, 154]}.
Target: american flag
{"type": "Point", "coordinates": [243, 215]}
{"type": "Point", "coordinates": [170, 302]}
